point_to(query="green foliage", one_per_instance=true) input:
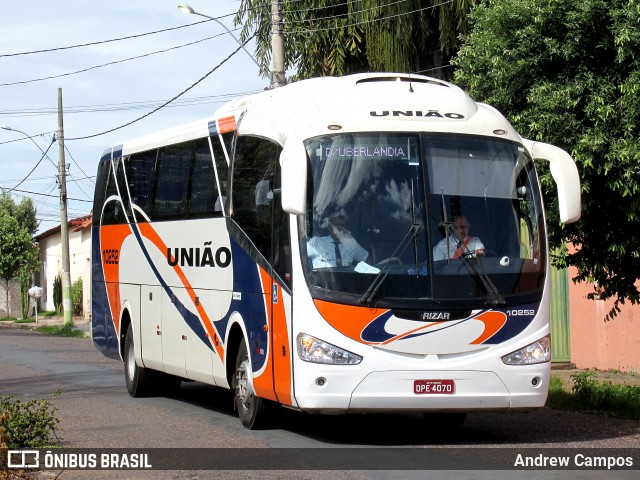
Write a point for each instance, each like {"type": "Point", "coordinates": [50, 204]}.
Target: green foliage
{"type": "Point", "coordinates": [61, 331]}
{"type": "Point", "coordinates": [337, 37]}
{"type": "Point", "coordinates": [567, 72]}
{"type": "Point", "coordinates": [17, 251]}
{"type": "Point", "coordinates": [589, 395]}
{"type": "Point", "coordinates": [76, 296]}
{"type": "Point", "coordinates": [25, 283]}
{"type": "Point", "coordinates": [24, 212]}
{"type": "Point", "coordinates": [619, 400]}
{"type": "Point", "coordinates": [30, 424]}
{"type": "Point", "coordinates": [57, 293]}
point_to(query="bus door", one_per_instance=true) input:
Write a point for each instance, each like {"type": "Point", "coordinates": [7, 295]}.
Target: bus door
{"type": "Point", "coordinates": [280, 328]}
{"type": "Point", "coordinates": [257, 209]}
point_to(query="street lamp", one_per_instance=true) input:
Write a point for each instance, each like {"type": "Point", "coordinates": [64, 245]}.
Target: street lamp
{"type": "Point", "coordinates": [187, 9]}
{"type": "Point", "coordinates": [5, 127]}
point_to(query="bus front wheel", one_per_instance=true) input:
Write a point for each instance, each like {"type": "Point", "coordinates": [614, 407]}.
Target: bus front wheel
{"type": "Point", "coordinates": [251, 408]}
{"type": "Point", "coordinates": [137, 378]}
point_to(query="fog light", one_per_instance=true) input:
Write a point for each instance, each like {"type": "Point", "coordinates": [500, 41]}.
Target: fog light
{"type": "Point", "coordinates": [536, 352]}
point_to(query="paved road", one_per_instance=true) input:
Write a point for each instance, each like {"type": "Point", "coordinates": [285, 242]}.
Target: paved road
{"type": "Point", "coordinates": [96, 412]}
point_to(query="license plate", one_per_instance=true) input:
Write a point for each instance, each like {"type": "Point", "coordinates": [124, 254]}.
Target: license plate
{"type": "Point", "coordinates": [437, 387]}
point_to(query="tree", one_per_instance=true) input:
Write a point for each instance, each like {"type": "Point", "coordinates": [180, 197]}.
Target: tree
{"type": "Point", "coordinates": [18, 253]}
{"type": "Point", "coordinates": [337, 37]}
{"type": "Point", "coordinates": [567, 72]}
{"type": "Point", "coordinates": [24, 212]}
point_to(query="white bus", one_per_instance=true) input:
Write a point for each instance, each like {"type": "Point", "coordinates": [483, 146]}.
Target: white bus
{"type": "Point", "coordinates": [213, 258]}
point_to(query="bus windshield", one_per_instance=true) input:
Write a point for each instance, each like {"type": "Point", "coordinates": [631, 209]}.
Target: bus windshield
{"type": "Point", "coordinates": [441, 220]}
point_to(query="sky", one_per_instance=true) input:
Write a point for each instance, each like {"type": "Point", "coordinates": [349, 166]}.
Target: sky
{"type": "Point", "coordinates": [105, 97]}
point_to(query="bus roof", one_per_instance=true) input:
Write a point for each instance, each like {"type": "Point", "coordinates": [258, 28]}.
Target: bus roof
{"type": "Point", "coordinates": [360, 102]}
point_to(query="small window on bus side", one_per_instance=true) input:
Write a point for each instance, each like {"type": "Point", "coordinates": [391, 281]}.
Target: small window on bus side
{"type": "Point", "coordinates": [253, 183]}
{"type": "Point", "coordinates": [174, 165]}
{"type": "Point", "coordinates": [101, 184]}
{"type": "Point", "coordinates": [222, 167]}
{"type": "Point", "coordinates": [203, 191]}
{"type": "Point", "coordinates": [113, 211]}
{"type": "Point", "coordinates": [140, 168]}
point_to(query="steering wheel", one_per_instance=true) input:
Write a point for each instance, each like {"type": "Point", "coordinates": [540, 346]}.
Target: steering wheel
{"type": "Point", "coordinates": [388, 260]}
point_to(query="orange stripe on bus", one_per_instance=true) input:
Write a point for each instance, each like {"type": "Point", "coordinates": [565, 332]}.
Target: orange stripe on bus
{"type": "Point", "coordinates": [226, 124]}
{"type": "Point", "coordinates": [149, 233]}
{"type": "Point", "coordinates": [111, 239]}
{"type": "Point", "coordinates": [348, 319]}
{"type": "Point", "coordinates": [493, 322]}
{"type": "Point", "coordinates": [411, 332]}
{"type": "Point", "coordinates": [264, 383]}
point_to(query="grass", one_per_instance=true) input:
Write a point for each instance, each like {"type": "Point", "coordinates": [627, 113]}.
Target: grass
{"type": "Point", "coordinates": [589, 395]}
{"type": "Point", "coordinates": [61, 331]}
{"type": "Point", "coordinates": [26, 320]}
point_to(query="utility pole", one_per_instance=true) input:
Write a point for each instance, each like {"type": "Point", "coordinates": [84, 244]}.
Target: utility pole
{"type": "Point", "coordinates": [64, 224]}
{"type": "Point", "coordinates": [277, 45]}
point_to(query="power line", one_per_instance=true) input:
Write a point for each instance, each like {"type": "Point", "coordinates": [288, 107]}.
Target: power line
{"type": "Point", "coordinates": [25, 138]}
{"type": "Point", "coordinates": [47, 195]}
{"type": "Point", "coordinates": [115, 62]}
{"type": "Point", "coordinates": [169, 101]}
{"type": "Point", "coordinates": [336, 27]}
{"type": "Point", "coordinates": [331, 17]}
{"type": "Point", "coordinates": [106, 41]}
{"type": "Point", "coordinates": [44, 154]}
{"type": "Point", "coordinates": [114, 107]}
{"type": "Point", "coordinates": [74, 161]}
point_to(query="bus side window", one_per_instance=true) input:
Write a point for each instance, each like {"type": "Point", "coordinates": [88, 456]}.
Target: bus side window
{"type": "Point", "coordinates": [140, 169]}
{"type": "Point", "coordinates": [113, 212]}
{"type": "Point", "coordinates": [174, 165]}
{"type": "Point", "coordinates": [203, 188]}
{"type": "Point", "coordinates": [104, 169]}
{"type": "Point", "coordinates": [222, 168]}
{"type": "Point", "coordinates": [253, 169]}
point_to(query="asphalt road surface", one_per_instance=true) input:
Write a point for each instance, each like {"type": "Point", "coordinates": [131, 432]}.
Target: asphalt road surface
{"type": "Point", "coordinates": [96, 412]}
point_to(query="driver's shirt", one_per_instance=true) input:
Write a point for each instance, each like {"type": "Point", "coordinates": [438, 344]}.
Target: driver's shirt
{"type": "Point", "coordinates": [440, 250]}
{"type": "Point", "coordinates": [322, 251]}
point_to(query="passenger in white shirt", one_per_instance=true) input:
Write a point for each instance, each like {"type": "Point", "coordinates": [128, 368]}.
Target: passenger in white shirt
{"type": "Point", "coordinates": [339, 248]}
{"type": "Point", "coordinates": [458, 244]}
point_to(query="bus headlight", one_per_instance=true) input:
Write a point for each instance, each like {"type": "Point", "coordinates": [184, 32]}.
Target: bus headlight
{"type": "Point", "coordinates": [312, 349]}
{"type": "Point", "coordinates": [537, 352]}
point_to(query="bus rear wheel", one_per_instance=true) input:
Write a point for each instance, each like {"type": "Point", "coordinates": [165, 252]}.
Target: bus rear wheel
{"type": "Point", "coordinates": [251, 408]}
{"type": "Point", "coordinates": [137, 378]}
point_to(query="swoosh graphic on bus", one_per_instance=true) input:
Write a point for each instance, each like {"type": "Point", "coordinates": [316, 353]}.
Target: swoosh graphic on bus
{"type": "Point", "coordinates": [493, 321]}
{"type": "Point", "coordinates": [211, 335]}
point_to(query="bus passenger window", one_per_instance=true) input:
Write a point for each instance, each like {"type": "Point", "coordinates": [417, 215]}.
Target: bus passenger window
{"type": "Point", "coordinates": [140, 171]}
{"type": "Point", "coordinates": [174, 163]}
{"type": "Point", "coordinates": [203, 191]}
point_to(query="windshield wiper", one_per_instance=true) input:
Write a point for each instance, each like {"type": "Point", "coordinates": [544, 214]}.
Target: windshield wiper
{"type": "Point", "coordinates": [469, 259]}
{"type": "Point", "coordinates": [384, 272]}
{"type": "Point", "coordinates": [474, 266]}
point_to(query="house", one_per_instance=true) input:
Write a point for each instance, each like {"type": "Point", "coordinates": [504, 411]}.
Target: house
{"type": "Point", "coordinates": [50, 245]}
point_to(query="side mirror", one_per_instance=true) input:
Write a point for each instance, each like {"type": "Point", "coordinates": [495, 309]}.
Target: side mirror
{"type": "Point", "coordinates": [565, 174]}
{"type": "Point", "coordinates": [293, 167]}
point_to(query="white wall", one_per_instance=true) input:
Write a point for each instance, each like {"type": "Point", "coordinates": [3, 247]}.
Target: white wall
{"type": "Point", "coordinates": [79, 265]}
{"type": "Point", "coordinates": [15, 309]}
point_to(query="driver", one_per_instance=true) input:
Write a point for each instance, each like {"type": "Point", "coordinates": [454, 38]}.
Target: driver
{"type": "Point", "coordinates": [339, 248]}
{"type": "Point", "coordinates": [458, 244]}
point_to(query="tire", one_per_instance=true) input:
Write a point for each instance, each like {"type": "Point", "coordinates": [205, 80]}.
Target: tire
{"type": "Point", "coordinates": [251, 408]}
{"type": "Point", "coordinates": [138, 379]}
